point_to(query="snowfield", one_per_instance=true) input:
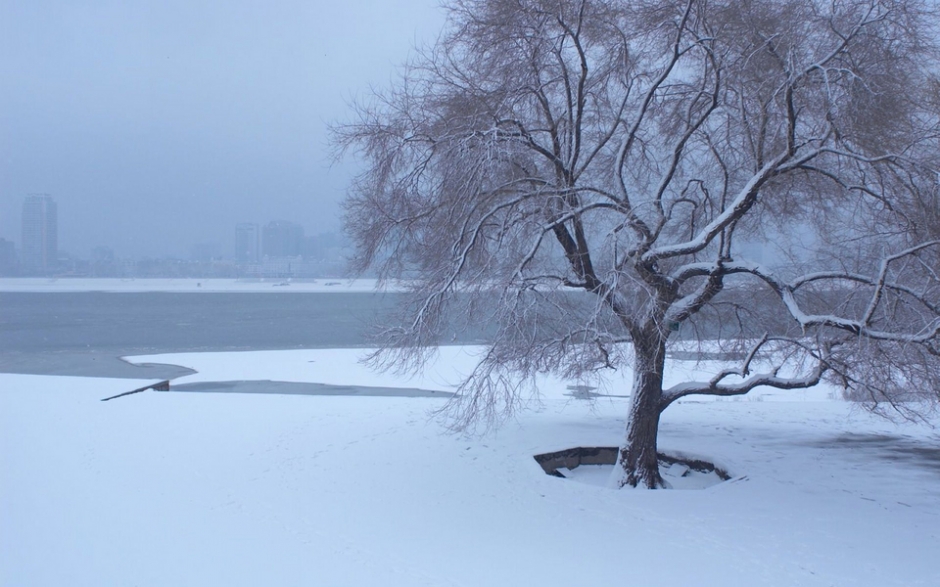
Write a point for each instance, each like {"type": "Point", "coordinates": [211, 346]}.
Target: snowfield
{"type": "Point", "coordinates": [201, 489]}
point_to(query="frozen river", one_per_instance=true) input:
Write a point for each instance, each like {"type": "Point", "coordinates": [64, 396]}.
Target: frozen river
{"type": "Point", "coordinates": [84, 333]}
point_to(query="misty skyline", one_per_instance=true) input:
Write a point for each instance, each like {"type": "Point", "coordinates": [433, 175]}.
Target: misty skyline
{"type": "Point", "coordinates": [156, 126]}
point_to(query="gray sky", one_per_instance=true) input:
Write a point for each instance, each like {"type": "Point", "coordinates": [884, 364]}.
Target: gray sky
{"type": "Point", "coordinates": [159, 124]}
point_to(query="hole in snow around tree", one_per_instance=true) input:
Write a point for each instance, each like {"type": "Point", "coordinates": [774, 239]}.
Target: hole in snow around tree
{"type": "Point", "coordinates": [595, 465]}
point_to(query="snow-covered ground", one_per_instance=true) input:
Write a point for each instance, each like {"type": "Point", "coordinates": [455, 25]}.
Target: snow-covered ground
{"type": "Point", "coordinates": [254, 489]}
{"type": "Point", "coordinates": [72, 285]}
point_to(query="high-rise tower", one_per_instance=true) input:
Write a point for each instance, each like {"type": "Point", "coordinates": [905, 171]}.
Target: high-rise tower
{"type": "Point", "coordinates": [40, 245]}
{"type": "Point", "coordinates": [247, 240]}
{"type": "Point", "coordinates": [282, 239]}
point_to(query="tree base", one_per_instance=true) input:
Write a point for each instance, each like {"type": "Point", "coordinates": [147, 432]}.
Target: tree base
{"type": "Point", "coordinates": [680, 470]}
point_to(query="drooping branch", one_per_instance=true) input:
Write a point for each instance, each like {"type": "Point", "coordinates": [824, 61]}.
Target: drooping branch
{"type": "Point", "coordinates": [927, 332]}
{"type": "Point", "coordinates": [717, 386]}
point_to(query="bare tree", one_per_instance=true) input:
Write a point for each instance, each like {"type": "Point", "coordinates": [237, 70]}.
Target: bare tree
{"type": "Point", "coordinates": [585, 176]}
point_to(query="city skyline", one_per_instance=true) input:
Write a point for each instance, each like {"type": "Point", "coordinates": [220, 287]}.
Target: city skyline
{"type": "Point", "coordinates": [160, 124]}
{"type": "Point", "coordinates": [36, 248]}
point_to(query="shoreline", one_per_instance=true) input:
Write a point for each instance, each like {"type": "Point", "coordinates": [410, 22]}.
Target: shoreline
{"type": "Point", "coordinates": [191, 285]}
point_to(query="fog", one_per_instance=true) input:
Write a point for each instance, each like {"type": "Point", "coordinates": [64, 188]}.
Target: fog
{"type": "Point", "coordinates": [158, 125]}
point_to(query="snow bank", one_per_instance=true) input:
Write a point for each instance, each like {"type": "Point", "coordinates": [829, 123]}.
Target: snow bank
{"type": "Point", "coordinates": [443, 373]}
{"type": "Point", "coordinates": [238, 489]}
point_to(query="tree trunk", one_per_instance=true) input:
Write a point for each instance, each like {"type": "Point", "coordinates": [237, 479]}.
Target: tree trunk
{"type": "Point", "coordinates": [638, 456]}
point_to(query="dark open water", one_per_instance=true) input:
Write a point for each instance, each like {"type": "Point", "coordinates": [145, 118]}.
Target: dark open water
{"type": "Point", "coordinates": [85, 333]}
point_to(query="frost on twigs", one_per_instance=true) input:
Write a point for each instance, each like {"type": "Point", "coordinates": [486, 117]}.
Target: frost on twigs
{"type": "Point", "coordinates": [596, 183]}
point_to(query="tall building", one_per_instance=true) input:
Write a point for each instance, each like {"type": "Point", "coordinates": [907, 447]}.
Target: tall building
{"type": "Point", "coordinates": [247, 243]}
{"type": "Point", "coordinates": [283, 239]}
{"type": "Point", "coordinates": [7, 257]}
{"type": "Point", "coordinates": [39, 250]}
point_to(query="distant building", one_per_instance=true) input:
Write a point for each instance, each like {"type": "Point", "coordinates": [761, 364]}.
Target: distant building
{"type": "Point", "coordinates": [102, 254]}
{"type": "Point", "coordinates": [325, 246]}
{"type": "Point", "coordinates": [39, 252]}
{"type": "Point", "coordinates": [247, 243]}
{"type": "Point", "coordinates": [103, 263]}
{"type": "Point", "coordinates": [283, 239]}
{"type": "Point", "coordinates": [7, 257]}
{"type": "Point", "coordinates": [205, 252]}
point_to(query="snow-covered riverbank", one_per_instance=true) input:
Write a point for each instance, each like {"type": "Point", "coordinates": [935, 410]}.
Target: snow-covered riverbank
{"type": "Point", "coordinates": [247, 489]}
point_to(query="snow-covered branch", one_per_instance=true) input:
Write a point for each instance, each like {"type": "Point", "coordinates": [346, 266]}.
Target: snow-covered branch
{"type": "Point", "coordinates": [747, 382]}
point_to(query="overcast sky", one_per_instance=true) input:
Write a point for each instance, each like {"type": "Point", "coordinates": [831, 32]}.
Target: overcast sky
{"type": "Point", "coordinates": [160, 124]}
